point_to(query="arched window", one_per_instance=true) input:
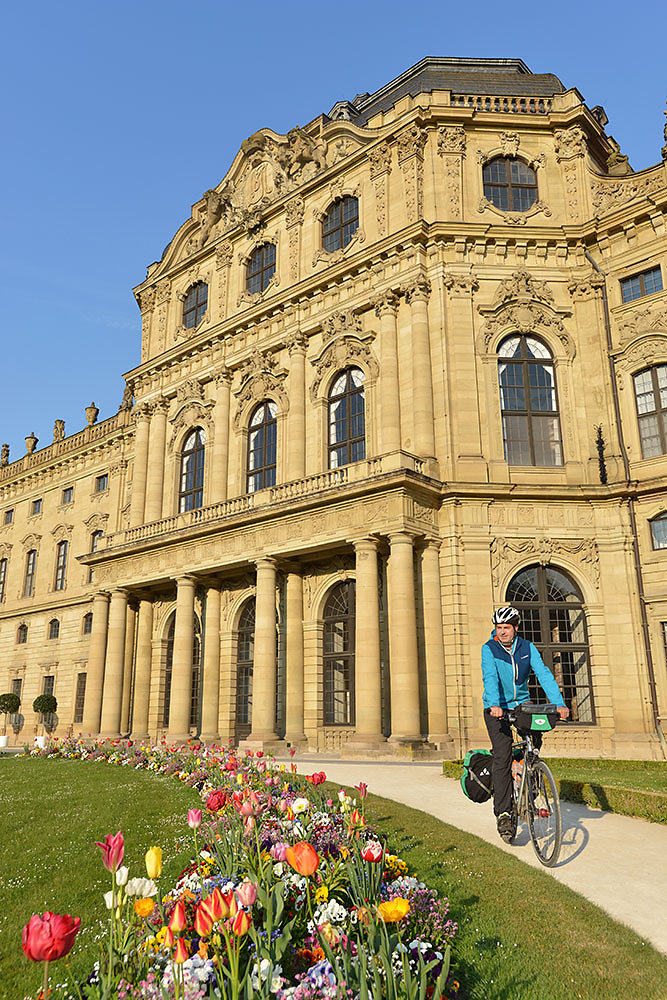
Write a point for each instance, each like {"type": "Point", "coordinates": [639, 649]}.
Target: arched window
{"type": "Point", "coordinates": [552, 617]}
{"type": "Point", "coordinates": [245, 658]}
{"type": "Point", "coordinates": [340, 223]}
{"type": "Point", "coordinates": [659, 531]}
{"type": "Point", "coordinates": [261, 268]}
{"type": "Point", "coordinates": [22, 634]}
{"type": "Point", "coordinates": [338, 660]}
{"type": "Point", "coordinates": [54, 628]}
{"type": "Point", "coordinates": [347, 419]}
{"type": "Point", "coordinates": [510, 185]}
{"type": "Point", "coordinates": [651, 399]}
{"type": "Point", "coordinates": [95, 539]}
{"type": "Point", "coordinates": [30, 570]}
{"type": "Point", "coordinates": [88, 623]}
{"type": "Point", "coordinates": [191, 492]}
{"type": "Point", "coordinates": [196, 669]}
{"type": "Point", "coordinates": [531, 428]}
{"type": "Point", "coordinates": [262, 437]}
{"type": "Point", "coordinates": [194, 306]}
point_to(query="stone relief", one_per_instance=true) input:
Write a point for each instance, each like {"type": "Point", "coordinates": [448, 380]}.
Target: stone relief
{"type": "Point", "coordinates": [59, 431]}
{"type": "Point", "coordinates": [569, 142]}
{"type": "Point", "coordinates": [259, 379]}
{"type": "Point", "coordinates": [646, 350]}
{"type": "Point", "coordinates": [514, 218]}
{"type": "Point", "coordinates": [191, 389]}
{"type": "Point", "coordinates": [380, 160]}
{"type": "Point", "coordinates": [461, 284]}
{"type": "Point", "coordinates": [586, 287]}
{"type": "Point", "coordinates": [524, 304]}
{"type": "Point", "coordinates": [648, 320]}
{"type": "Point", "coordinates": [612, 194]}
{"type": "Point", "coordinates": [4, 455]}
{"type": "Point", "coordinates": [126, 402]}
{"type": "Point", "coordinates": [451, 139]}
{"type": "Point", "coordinates": [340, 353]}
{"type": "Point", "coordinates": [505, 550]}
{"type": "Point", "coordinates": [343, 321]}
{"type": "Point", "coordinates": [509, 143]}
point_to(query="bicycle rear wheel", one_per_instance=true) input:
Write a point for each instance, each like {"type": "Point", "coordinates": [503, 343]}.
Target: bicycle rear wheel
{"type": "Point", "coordinates": [544, 819]}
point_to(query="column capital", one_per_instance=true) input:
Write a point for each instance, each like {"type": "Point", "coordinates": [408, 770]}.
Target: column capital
{"type": "Point", "coordinates": [223, 377]}
{"type": "Point", "coordinates": [160, 405]}
{"type": "Point", "coordinates": [266, 562]}
{"type": "Point", "coordinates": [296, 342]}
{"type": "Point", "coordinates": [120, 592]}
{"type": "Point", "coordinates": [365, 543]}
{"type": "Point", "coordinates": [142, 412]}
{"type": "Point", "coordinates": [401, 537]}
{"type": "Point", "coordinates": [418, 290]}
{"type": "Point", "coordinates": [385, 303]}
{"type": "Point", "coordinates": [186, 580]}
{"type": "Point", "coordinates": [433, 544]}
{"type": "Point", "coordinates": [102, 595]}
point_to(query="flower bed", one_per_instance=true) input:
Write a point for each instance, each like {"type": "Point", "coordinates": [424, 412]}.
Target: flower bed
{"type": "Point", "coordinates": [291, 894]}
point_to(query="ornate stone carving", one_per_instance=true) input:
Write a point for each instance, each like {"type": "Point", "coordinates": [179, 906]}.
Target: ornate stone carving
{"type": "Point", "coordinates": [62, 532]}
{"type": "Point", "coordinates": [4, 455]}
{"type": "Point", "coordinates": [522, 285]}
{"type": "Point", "coordinates": [296, 342]}
{"type": "Point", "coordinates": [461, 284]}
{"type": "Point", "coordinates": [343, 321]}
{"type": "Point", "coordinates": [570, 179]}
{"type": "Point", "coordinates": [259, 380]}
{"type": "Point", "coordinates": [509, 143]}
{"type": "Point", "coordinates": [612, 194]}
{"type": "Point", "coordinates": [569, 142]}
{"type": "Point", "coordinates": [385, 302]}
{"type": "Point", "coordinates": [411, 158]}
{"type": "Point", "coordinates": [380, 159]}
{"type": "Point", "coordinates": [411, 142]}
{"type": "Point", "coordinates": [190, 389]}
{"type": "Point", "coordinates": [453, 175]}
{"type": "Point", "coordinates": [97, 522]}
{"type": "Point", "coordinates": [647, 349]}
{"type": "Point", "coordinates": [128, 396]}
{"type": "Point", "coordinates": [146, 300]}
{"type": "Point", "coordinates": [340, 353]}
{"type": "Point", "coordinates": [586, 287]}
{"type": "Point", "coordinates": [223, 254]}
{"type": "Point", "coordinates": [523, 304]}
{"type": "Point", "coordinates": [31, 443]}
{"type": "Point", "coordinates": [451, 139]}
{"type": "Point", "coordinates": [92, 413]}
{"type": "Point", "coordinates": [504, 552]}
{"type": "Point", "coordinates": [294, 212]}
{"type": "Point", "coordinates": [419, 288]}
{"type": "Point", "coordinates": [514, 218]}
{"type": "Point", "coordinates": [31, 541]}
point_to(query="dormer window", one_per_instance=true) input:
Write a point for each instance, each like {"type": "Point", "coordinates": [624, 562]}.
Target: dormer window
{"type": "Point", "coordinates": [261, 268]}
{"type": "Point", "coordinates": [195, 304]}
{"type": "Point", "coordinates": [510, 185]}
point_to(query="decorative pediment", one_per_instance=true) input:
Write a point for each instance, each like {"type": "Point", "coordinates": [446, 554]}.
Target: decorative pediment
{"type": "Point", "coordinates": [31, 541]}
{"type": "Point", "coordinates": [643, 350]}
{"type": "Point", "coordinates": [648, 320]}
{"type": "Point", "coordinates": [97, 522]}
{"type": "Point", "coordinates": [191, 412]}
{"type": "Point", "coordinates": [5, 550]}
{"type": "Point", "coordinates": [343, 321]}
{"type": "Point", "coordinates": [259, 379]}
{"type": "Point", "coordinates": [610, 194]}
{"type": "Point", "coordinates": [523, 304]}
{"type": "Point", "coordinates": [341, 353]}
{"type": "Point", "coordinates": [505, 553]}
{"type": "Point", "coordinates": [62, 532]}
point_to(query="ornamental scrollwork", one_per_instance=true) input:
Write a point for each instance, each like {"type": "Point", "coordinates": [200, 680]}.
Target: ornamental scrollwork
{"type": "Point", "coordinates": [569, 142]}
{"type": "Point", "coordinates": [504, 552]}
{"type": "Point", "coordinates": [451, 139]}
{"type": "Point", "coordinates": [341, 353]}
{"type": "Point", "coordinates": [343, 321]}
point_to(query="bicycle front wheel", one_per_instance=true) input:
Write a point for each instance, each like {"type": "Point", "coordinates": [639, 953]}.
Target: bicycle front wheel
{"type": "Point", "coordinates": [544, 820]}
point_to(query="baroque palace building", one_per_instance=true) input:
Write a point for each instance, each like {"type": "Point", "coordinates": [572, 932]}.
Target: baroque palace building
{"type": "Point", "coordinates": [402, 365]}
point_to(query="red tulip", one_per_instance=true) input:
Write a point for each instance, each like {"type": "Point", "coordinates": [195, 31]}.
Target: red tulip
{"type": "Point", "coordinates": [178, 921]}
{"type": "Point", "coordinates": [318, 778]}
{"type": "Point", "coordinates": [203, 920]}
{"type": "Point", "coordinates": [47, 938]}
{"type": "Point", "coordinates": [372, 851]}
{"type": "Point", "coordinates": [182, 952]}
{"type": "Point", "coordinates": [303, 858]}
{"type": "Point", "coordinates": [216, 801]}
{"type": "Point", "coordinates": [112, 849]}
{"type": "Point", "coordinates": [241, 923]}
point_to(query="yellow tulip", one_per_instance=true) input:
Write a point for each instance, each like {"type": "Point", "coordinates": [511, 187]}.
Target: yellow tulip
{"type": "Point", "coordinates": [394, 910]}
{"type": "Point", "coordinates": [154, 862]}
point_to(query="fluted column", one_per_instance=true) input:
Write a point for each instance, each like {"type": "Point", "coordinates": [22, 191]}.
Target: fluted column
{"type": "Point", "coordinates": [141, 437]}
{"type": "Point", "coordinates": [142, 673]}
{"type": "Point", "coordinates": [296, 417]}
{"type": "Point", "coordinates": [211, 685]}
{"type": "Point", "coordinates": [128, 661]}
{"type": "Point", "coordinates": [114, 665]}
{"type": "Point", "coordinates": [386, 306]}
{"type": "Point", "coordinates": [181, 674]}
{"type": "Point", "coordinates": [367, 669]}
{"type": "Point", "coordinates": [263, 727]}
{"type": "Point", "coordinates": [422, 383]}
{"type": "Point", "coordinates": [434, 651]}
{"type": "Point", "coordinates": [403, 659]}
{"type": "Point", "coordinates": [294, 730]}
{"type": "Point", "coordinates": [220, 452]}
{"type": "Point", "coordinates": [155, 478]}
{"type": "Point", "coordinates": [92, 706]}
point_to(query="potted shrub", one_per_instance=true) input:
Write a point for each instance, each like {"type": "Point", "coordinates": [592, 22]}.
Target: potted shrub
{"type": "Point", "coordinates": [44, 705]}
{"type": "Point", "coordinates": [9, 705]}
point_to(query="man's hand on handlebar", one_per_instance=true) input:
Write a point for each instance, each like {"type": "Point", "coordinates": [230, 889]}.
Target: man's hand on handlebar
{"type": "Point", "coordinates": [496, 712]}
{"type": "Point", "coordinates": [563, 713]}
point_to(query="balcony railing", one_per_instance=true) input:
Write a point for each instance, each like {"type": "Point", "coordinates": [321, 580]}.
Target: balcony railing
{"type": "Point", "coordinates": [501, 104]}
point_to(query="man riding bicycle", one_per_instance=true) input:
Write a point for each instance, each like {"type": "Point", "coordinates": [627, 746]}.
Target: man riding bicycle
{"type": "Point", "coordinates": [507, 660]}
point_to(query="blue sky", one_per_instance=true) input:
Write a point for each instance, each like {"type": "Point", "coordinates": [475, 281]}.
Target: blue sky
{"type": "Point", "coordinates": [116, 117]}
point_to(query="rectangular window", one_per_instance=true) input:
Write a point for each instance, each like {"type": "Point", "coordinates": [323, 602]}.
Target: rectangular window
{"type": "Point", "coordinates": [3, 578]}
{"type": "Point", "coordinates": [17, 687]}
{"type": "Point", "coordinates": [17, 684]}
{"type": "Point", "coordinates": [36, 506]}
{"type": "Point", "coordinates": [639, 285]}
{"type": "Point", "coordinates": [49, 684]}
{"type": "Point", "coordinates": [30, 568]}
{"type": "Point", "coordinates": [61, 565]}
{"type": "Point", "coordinates": [9, 515]}
{"type": "Point", "coordinates": [68, 494]}
{"type": "Point", "coordinates": [102, 483]}
{"type": "Point", "coordinates": [94, 545]}
{"type": "Point", "coordinates": [79, 698]}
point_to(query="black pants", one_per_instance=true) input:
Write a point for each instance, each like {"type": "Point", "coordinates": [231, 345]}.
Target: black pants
{"type": "Point", "coordinates": [500, 734]}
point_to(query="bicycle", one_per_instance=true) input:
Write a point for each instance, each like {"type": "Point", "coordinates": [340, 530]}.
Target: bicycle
{"type": "Point", "coordinates": [534, 793]}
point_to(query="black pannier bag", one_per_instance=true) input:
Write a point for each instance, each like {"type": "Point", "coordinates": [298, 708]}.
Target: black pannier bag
{"type": "Point", "coordinates": [532, 718]}
{"type": "Point", "coordinates": [476, 780]}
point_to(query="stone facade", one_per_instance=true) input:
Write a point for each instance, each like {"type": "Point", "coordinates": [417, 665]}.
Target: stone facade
{"type": "Point", "coordinates": [433, 523]}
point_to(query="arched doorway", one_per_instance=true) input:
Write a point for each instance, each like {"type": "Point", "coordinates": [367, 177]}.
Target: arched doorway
{"type": "Point", "coordinates": [552, 617]}
{"type": "Point", "coordinates": [195, 708]}
{"type": "Point", "coordinates": [245, 658]}
{"type": "Point", "coordinates": [338, 655]}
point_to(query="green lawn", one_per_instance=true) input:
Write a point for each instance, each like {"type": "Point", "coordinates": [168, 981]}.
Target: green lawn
{"type": "Point", "coordinates": [644, 775]}
{"type": "Point", "coordinates": [522, 935]}
{"type": "Point", "coordinates": [51, 814]}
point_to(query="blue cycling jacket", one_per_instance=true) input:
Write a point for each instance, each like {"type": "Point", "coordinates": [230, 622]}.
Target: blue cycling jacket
{"type": "Point", "coordinates": [506, 674]}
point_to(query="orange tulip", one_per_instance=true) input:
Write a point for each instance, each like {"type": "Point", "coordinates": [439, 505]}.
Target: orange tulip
{"type": "Point", "coordinates": [177, 921]}
{"type": "Point", "coordinates": [303, 858]}
{"type": "Point", "coordinates": [169, 937]}
{"type": "Point", "coordinates": [203, 920]}
{"type": "Point", "coordinates": [218, 904]}
{"type": "Point", "coordinates": [182, 952]}
{"type": "Point", "coordinates": [241, 923]}
{"type": "Point", "coordinates": [144, 907]}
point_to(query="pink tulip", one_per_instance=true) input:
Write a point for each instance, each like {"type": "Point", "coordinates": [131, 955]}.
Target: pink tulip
{"type": "Point", "coordinates": [112, 849]}
{"type": "Point", "coordinates": [278, 851]}
{"type": "Point", "coordinates": [362, 788]}
{"type": "Point", "coordinates": [246, 893]}
{"type": "Point", "coordinates": [194, 818]}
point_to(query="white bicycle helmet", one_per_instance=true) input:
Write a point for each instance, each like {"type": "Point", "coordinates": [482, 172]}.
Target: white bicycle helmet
{"type": "Point", "coordinates": [506, 616]}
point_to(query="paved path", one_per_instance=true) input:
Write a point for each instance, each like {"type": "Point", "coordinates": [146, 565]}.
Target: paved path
{"type": "Point", "coordinates": [617, 862]}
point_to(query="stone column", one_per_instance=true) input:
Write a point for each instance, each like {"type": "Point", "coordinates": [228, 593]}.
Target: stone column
{"type": "Point", "coordinates": [422, 384]}
{"type": "Point", "coordinates": [128, 660]}
{"type": "Point", "coordinates": [220, 453]}
{"type": "Point", "coordinates": [211, 684]}
{"type": "Point", "coordinates": [142, 674]}
{"type": "Point", "coordinates": [155, 480]}
{"type": "Point", "coordinates": [263, 729]}
{"type": "Point", "coordinates": [367, 670]}
{"type": "Point", "coordinates": [181, 674]}
{"type": "Point", "coordinates": [114, 665]}
{"type": "Point", "coordinates": [386, 306]}
{"type": "Point", "coordinates": [294, 729]}
{"type": "Point", "coordinates": [403, 659]}
{"type": "Point", "coordinates": [92, 706]}
{"type": "Point", "coordinates": [141, 436]}
{"type": "Point", "coordinates": [434, 652]}
{"type": "Point", "coordinates": [296, 417]}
